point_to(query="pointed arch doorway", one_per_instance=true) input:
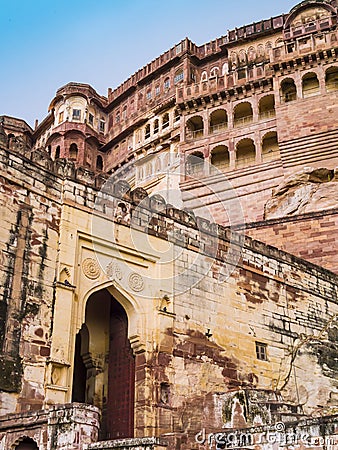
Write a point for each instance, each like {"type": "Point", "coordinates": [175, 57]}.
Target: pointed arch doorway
{"type": "Point", "coordinates": [104, 365]}
{"type": "Point", "coordinates": [27, 444]}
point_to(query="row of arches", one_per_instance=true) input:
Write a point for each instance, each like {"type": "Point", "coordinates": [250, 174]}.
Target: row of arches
{"type": "Point", "coordinates": [147, 95]}
{"type": "Point", "coordinates": [245, 153]}
{"type": "Point", "coordinates": [253, 54]}
{"type": "Point", "coordinates": [220, 119]}
{"type": "Point", "coordinates": [72, 154]}
{"type": "Point", "coordinates": [160, 164]}
{"type": "Point", "coordinates": [160, 124]}
{"type": "Point", "coordinates": [310, 85]}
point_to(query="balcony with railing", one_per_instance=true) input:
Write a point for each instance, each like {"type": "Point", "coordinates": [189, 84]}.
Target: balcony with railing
{"type": "Point", "coordinates": [302, 46]}
{"type": "Point", "coordinates": [218, 128]}
{"type": "Point", "coordinates": [288, 97]}
{"type": "Point", "coordinates": [314, 26]}
{"type": "Point", "coordinates": [332, 86]}
{"type": "Point", "coordinates": [266, 115]}
{"type": "Point", "coordinates": [195, 134]}
{"type": "Point", "coordinates": [243, 121]}
{"type": "Point", "coordinates": [216, 85]}
{"type": "Point", "coordinates": [309, 92]}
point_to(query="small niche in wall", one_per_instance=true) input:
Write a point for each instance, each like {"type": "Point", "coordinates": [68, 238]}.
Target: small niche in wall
{"type": "Point", "coordinates": [164, 393]}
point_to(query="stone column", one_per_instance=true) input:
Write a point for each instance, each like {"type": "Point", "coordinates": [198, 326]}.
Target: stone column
{"type": "Point", "coordinates": [59, 373]}
{"type": "Point", "coordinates": [258, 146]}
{"type": "Point", "coordinates": [232, 154]}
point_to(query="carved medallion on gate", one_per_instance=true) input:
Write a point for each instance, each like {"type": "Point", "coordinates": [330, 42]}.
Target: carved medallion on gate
{"type": "Point", "coordinates": [136, 282]}
{"type": "Point", "coordinates": [91, 268]}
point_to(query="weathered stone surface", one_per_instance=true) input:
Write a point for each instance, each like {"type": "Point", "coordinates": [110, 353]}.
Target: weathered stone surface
{"type": "Point", "coordinates": [306, 191]}
{"type": "Point", "coordinates": [68, 427]}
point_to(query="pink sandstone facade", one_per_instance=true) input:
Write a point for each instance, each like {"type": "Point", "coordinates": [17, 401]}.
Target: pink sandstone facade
{"type": "Point", "coordinates": [168, 251]}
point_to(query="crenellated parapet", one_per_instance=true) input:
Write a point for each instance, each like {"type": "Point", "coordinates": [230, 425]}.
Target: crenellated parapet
{"type": "Point", "coordinates": [116, 201]}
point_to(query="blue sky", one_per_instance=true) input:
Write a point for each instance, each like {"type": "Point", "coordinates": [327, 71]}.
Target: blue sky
{"type": "Point", "coordinates": [47, 43]}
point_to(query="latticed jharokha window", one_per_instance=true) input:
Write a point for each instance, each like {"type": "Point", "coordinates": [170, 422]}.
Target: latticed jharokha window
{"type": "Point", "coordinates": [102, 125]}
{"type": "Point", "coordinates": [178, 76]}
{"type": "Point", "coordinates": [261, 352]}
{"type": "Point", "coordinates": [76, 114]}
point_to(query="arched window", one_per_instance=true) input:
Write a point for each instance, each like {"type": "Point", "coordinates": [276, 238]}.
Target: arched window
{"type": "Point", "coordinates": [179, 76]}
{"type": "Point", "coordinates": [148, 94]}
{"type": "Point", "coordinates": [251, 54]}
{"type": "Point", "coordinates": [225, 69]}
{"type": "Point", "coordinates": [260, 52]}
{"type": "Point", "coordinates": [220, 158]}
{"type": "Point", "coordinates": [195, 127]}
{"type": "Point", "coordinates": [73, 151]}
{"type": "Point", "coordinates": [214, 72]}
{"type": "Point", "coordinates": [289, 91]}
{"type": "Point", "coordinates": [242, 58]}
{"type": "Point", "coordinates": [102, 125]}
{"type": "Point", "coordinates": [156, 126]}
{"type": "Point", "coordinates": [76, 114]}
{"type": "Point", "coordinates": [233, 60]}
{"type": "Point", "coordinates": [204, 76]}
{"type": "Point", "coordinates": [57, 152]}
{"type": "Point", "coordinates": [267, 107]}
{"type": "Point", "coordinates": [124, 112]}
{"type": "Point", "coordinates": [218, 121]}
{"type": "Point", "coordinates": [245, 153]}
{"type": "Point", "coordinates": [331, 79]}
{"type": "Point", "coordinates": [268, 48]}
{"type": "Point", "coordinates": [61, 116]}
{"type": "Point", "coordinates": [310, 84]}
{"type": "Point", "coordinates": [195, 164]}
{"type": "Point", "coordinates": [147, 132]}
{"type": "Point", "coordinates": [165, 120]}
{"type": "Point", "coordinates": [243, 114]}
{"type": "Point", "coordinates": [99, 162]}
{"type": "Point", "coordinates": [166, 84]}
{"type": "Point", "coordinates": [270, 148]}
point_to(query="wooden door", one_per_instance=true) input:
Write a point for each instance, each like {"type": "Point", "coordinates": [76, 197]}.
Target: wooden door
{"type": "Point", "coordinates": [121, 377]}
